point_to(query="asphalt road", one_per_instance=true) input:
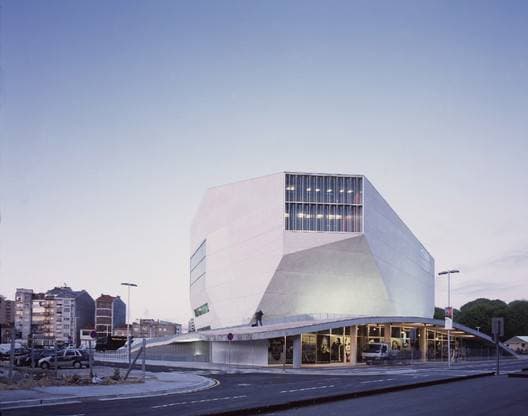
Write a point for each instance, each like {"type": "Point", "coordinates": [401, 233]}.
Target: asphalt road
{"type": "Point", "coordinates": [245, 390]}
{"type": "Point", "coordinates": [495, 396]}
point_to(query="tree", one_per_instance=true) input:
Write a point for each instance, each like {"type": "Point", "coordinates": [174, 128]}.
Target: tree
{"type": "Point", "coordinates": [516, 318]}
{"type": "Point", "coordinates": [478, 313]}
{"type": "Point", "coordinates": [439, 313]}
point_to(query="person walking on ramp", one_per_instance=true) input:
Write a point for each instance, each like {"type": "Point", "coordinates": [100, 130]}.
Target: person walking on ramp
{"type": "Point", "coordinates": [258, 318]}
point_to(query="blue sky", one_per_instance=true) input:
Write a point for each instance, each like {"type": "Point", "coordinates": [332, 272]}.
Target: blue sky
{"type": "Point", "coordinates": [116, 116]}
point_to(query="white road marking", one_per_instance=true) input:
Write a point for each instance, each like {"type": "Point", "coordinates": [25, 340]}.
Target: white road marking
{"type": "Point", "coordinates": [307, 388]}
{"type": "Point", "coordinates": [199, 401]}
{"type": "Point", "coordinates": [78, 414]}
{"type": "Point", "coordinates": [377, 381]}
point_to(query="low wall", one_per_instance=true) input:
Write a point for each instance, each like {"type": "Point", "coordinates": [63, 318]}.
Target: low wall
{"type": "Point", "coordinates": [240, 352]}
{"type": "Point", "coordinates": [185, 351]}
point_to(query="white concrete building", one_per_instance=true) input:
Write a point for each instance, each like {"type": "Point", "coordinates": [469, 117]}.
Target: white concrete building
{"type": "Point", "coordinates": [299, 244]}
{"type": "Point", "coordinates": [326, 259]}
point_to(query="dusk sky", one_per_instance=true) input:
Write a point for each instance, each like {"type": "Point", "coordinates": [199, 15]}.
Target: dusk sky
{"type": "Point", "coordinates": [117, 115]}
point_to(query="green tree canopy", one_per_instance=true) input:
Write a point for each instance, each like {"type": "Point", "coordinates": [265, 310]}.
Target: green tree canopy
{"type": "Point", "coordinates": [478, 313]}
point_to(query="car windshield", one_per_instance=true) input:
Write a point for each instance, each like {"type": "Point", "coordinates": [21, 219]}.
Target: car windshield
{"type": "Point", "coordinates": [374, 348]}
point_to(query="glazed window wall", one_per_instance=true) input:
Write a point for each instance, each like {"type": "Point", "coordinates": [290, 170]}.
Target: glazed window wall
{"type": "Point", "coordinates": [201, 310]}
{"type": "Point", "coordinates": [325, 347]}
{"type": "Point", "coordinates": [323, 203]}
{"type": "Point", "coordinates": [197, 263]}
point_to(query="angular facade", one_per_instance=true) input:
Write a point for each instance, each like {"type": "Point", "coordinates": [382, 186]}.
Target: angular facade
{"type": "Point", "coordinates": [297, 245]}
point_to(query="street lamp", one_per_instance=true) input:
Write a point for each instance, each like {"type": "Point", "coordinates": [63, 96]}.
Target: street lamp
{"type": "Point", "coordinates": [449, 272]}
{"type": "Point", "coordinates": [129, 285]}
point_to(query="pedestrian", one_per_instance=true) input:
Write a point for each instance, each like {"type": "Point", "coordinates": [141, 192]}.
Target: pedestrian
{"type": "Point", "coordinates": [258, 317]}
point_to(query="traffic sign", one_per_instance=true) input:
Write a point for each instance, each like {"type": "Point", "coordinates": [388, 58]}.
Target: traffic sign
{"type": "Point", "coordinates": [497, 327]}
{"type": "Point", "coordinates": [230, 337]}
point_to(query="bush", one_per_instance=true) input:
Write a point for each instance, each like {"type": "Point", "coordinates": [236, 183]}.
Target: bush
{"type": "Point", "coordinates": [117, 375]}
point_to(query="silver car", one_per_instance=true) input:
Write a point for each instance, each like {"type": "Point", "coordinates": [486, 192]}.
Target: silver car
{"type": "Point", "coordinates": [67, 358]}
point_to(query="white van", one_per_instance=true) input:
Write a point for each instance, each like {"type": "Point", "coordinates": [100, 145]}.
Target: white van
{"type": "Point", "coordinates": [376, 351]}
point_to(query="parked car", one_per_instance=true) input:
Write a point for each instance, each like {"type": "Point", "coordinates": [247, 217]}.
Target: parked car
{"type": "Point", "coordinates": [5, 350]}
{"type": "Point", "coordinates": [26, 359]}
{"type": "Point", "coordinates": [377, 352]}
{"type": "Point", "coordinates": [19, 355]}
{"type": "Point", "coordinates": [66, 358]}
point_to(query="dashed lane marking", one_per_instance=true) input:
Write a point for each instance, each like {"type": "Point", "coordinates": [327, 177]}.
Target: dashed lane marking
{"type": "Point", "coordinates": [307, 389]}
{"type": "Point", "coordinates": [199, 401]}
{"type": "Point", "coordinates": [377, 381]}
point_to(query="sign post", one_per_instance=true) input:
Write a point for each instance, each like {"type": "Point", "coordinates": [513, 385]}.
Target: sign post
{"type": "Point", "coordinates": [449, 326]}
{"type": "Point", "coordinates": [229, 338]}
{"type": "Point", "coordinates": [497, 329]}
{"type": "Point", "coordinates": [413, 337]}
{"type": "Point", "coordinates": [93, 335]}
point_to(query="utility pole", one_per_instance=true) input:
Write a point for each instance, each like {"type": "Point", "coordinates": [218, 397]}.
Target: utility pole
{"type": "Point", "coordinates": [144, 347]}
{"type": "Point", "coordinates": [12, 356]}
{"type": "Point", "coordinates": [128, 285]}
{"type": "Point", "coordinates": [90, 359]}
{"type": "Point", "coordinates": [449, 324]}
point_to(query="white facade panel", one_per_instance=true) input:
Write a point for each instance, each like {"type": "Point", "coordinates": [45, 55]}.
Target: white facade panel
{"type": "Point", "coordinates": [242, 224]}
{"type": "Point", "coordinates": [406, 266]}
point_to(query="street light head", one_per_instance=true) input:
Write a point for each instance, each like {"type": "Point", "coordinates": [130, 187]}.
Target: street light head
{"type": "Point", "coordinates": [128, 284]}
{"type": "Point", "coordinates": [448, 272]}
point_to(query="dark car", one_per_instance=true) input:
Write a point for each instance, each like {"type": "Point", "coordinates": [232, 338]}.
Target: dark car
{"type": "Point", "coordinates": [33, 356]}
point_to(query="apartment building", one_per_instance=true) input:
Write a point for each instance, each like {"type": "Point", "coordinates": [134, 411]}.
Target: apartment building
{"type": "Point", "coordinates": [7, 318]}
{"type": "Point", "coordinates": [55, 316]}
{"type": "Point", "coordinates": [110, 313]}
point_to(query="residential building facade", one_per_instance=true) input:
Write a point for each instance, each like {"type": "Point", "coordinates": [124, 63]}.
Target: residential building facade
{"type": "Point", "coordinates": [7, 319]}
{"type": "Point", "coordinates": [110, 313]}
{"type": "Point", "coordinates": [54, 317]}
{"type": "Point", "coordinates": [23, 313]}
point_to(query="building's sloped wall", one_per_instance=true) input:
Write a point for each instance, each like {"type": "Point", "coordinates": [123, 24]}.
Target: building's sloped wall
{"type": "Point", "coordinates": [240, 352]}
{"type": "Point", "coordinates": [243, 224]}
{"type": "Point", "coordinates": [406, 267]}
{"type": "Point", "coordinates": [337, 278]}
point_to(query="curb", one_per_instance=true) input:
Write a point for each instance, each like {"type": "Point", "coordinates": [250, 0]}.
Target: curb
{"type": "Point", "coordinates": [518, 375]}
{"type": "Point", "coordinates": [21, 404]}
{"type": "Point", "coordinates": [342, 396]}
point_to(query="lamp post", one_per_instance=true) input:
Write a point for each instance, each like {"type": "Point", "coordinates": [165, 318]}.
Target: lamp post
{"type": "Point", "coordinates": [129, 285]}
{"type": "Point", "coordinates": [449, 272]}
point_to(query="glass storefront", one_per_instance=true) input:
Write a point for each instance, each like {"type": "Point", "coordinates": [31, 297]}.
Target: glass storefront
{"type": "Point", "coordinates": [334, 346]}
{"type": "Point", "coordinates": [326, 347]}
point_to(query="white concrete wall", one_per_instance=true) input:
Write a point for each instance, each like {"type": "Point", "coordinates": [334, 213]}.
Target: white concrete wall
{"type": "Point", "coordinates": [240, 352]}
{"type": "Point", "coordinates": [339, 278]}
{"type": "Point", "coordinates": [404, 263]}
{"type": "Point", "coordinates": [253, 263]}
{"type": "Point", "coordinates": [243, 224]}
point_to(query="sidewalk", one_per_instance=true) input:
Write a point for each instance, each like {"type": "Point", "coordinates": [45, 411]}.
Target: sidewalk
{"type": "Point", "coordinates": [155, 384]}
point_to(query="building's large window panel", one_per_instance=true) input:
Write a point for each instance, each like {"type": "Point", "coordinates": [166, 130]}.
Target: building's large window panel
{"type": "Point", "coordinates": [323, 203]}
{"type": "Point", "coordinates": [198, 262]}
{"type": "Point", "coordinates": [201, 310]}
